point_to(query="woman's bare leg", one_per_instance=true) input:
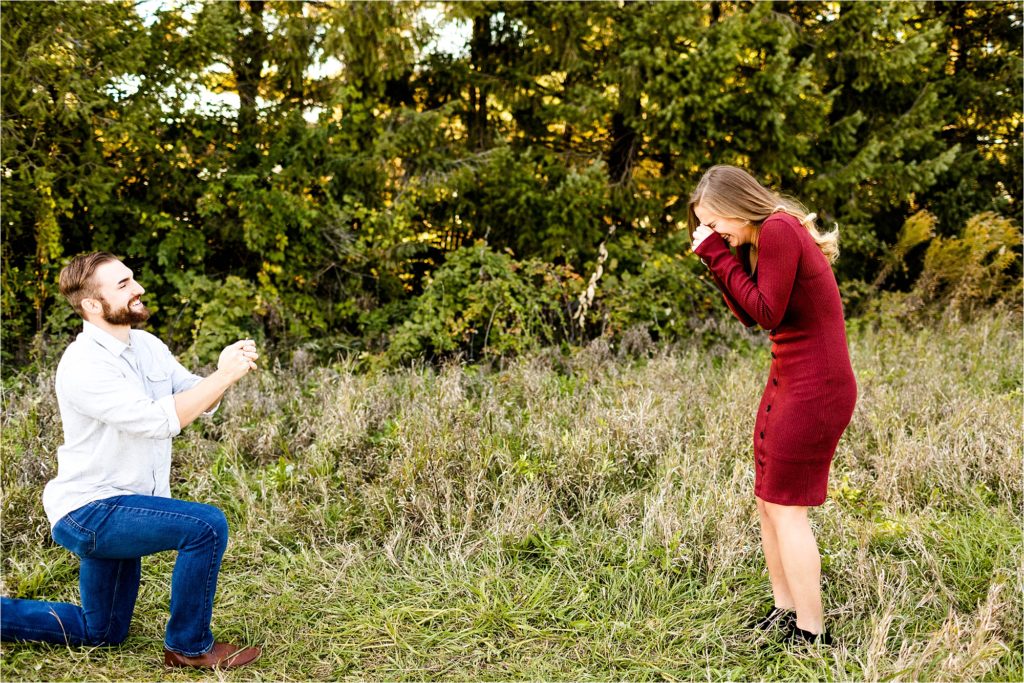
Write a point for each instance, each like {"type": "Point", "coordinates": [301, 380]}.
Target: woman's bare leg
{"type": "Point", "coordinates": [801, 564]}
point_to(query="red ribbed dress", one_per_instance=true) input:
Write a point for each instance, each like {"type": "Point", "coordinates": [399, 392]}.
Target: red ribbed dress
{"type": "Point", "coordinates": [811, 391]}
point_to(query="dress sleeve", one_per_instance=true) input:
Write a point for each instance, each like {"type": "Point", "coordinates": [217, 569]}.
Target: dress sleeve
{"type": "Point", "coordinates": [733, 305]}
{"type": "Point", "coordinates": [764, 301]}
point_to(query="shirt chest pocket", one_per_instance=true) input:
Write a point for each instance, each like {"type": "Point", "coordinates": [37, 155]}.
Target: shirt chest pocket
{"type": "Point", "coordinates": [158, 384]}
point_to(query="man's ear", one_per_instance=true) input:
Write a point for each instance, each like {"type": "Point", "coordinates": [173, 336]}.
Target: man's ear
{"type": "Point", "coordinates": [92, 306]}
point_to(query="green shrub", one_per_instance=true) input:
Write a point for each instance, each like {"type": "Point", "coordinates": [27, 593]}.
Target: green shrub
{"type": "Point", "coordinates": [668, 294]}
{"type": "Point", "coordinates": [227, 311]}
{"type": "Point", "coordinates": [980, 268]}
{"type": "Point", "coordinates": [977, 270]}
{"type": "Point", "coordinates": [485, 304]}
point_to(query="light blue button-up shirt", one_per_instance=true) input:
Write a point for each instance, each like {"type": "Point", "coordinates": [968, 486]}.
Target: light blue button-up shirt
{"type": "Point", "coordinates": [116, 404]}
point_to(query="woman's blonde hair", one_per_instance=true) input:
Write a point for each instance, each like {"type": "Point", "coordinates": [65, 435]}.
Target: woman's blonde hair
{"type": "Point", "coordinates": [731, 192]}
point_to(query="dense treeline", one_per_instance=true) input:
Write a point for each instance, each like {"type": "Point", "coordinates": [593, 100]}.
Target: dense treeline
{"type": "Point", "coordinates": [420, 179]}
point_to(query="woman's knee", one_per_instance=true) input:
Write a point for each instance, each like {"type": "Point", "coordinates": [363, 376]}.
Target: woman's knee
{"type": "Point", "coordinates": [782, 514]}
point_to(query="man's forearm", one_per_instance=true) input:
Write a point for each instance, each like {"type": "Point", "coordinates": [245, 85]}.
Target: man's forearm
{"type": "Point", "coordinates": [194, 402]}
{"type": "Point", "coordinates": [235, 361]}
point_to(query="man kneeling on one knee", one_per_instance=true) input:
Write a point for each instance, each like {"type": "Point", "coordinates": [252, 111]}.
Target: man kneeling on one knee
{"type": "Point", "coordinates": [122, 396]}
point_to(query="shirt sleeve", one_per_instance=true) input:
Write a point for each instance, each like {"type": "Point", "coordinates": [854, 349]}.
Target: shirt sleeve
{"type": "Point", "coordinates": [182, 379]}
{"type": "Point", "coordinates": [764, 301]}
{"type": "Point", "coordinates": [101, 391]}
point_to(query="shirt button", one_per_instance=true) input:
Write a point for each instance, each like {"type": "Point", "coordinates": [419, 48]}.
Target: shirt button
{"type": "Point", "coordinates": [775, 381]}
{"type": "Point", "coordinates": [762, 435]}
{"type": "Point", "coordinates": [768, 409]}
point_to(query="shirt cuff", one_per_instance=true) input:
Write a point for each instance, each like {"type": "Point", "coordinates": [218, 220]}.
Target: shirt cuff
{"type": "Point", "coordinates": [173, 424]}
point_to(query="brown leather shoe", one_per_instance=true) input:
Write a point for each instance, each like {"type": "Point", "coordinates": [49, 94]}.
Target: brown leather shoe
{"type": "Point", "coordinates": [221, 656]}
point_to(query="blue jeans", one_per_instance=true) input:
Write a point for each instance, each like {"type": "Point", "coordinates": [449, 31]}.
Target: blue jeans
{"type": "Point", "coordinates": [110, 536]}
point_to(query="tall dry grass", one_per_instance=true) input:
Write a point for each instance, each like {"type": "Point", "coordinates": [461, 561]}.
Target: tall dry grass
{"type": "Point", "coordinates": [572, 517]}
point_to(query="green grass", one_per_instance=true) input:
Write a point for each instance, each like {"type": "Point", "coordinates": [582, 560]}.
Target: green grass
{"type": "Point", "coordinates": [571, 518]}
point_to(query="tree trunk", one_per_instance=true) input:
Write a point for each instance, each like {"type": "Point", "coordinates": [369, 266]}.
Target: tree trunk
{"type": "Point", "coordinates": [481, 47]}
{"type": "Point", "coordinates": [625, 140]}
{"type": "Point", "coordinates": [248, 66]}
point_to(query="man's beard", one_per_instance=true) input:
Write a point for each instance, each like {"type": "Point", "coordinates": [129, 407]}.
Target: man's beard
{"type": "Point", "coordinates": [125, 316]}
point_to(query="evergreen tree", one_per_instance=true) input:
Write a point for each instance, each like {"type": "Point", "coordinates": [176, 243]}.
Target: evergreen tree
{"type": "Point", "coordinates": [65, 73]}
{"type": "Point", "coordinates": [299, 172]}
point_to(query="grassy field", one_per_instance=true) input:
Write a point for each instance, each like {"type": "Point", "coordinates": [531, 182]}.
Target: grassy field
{"type": "Point", "coordinates": [571, 518]}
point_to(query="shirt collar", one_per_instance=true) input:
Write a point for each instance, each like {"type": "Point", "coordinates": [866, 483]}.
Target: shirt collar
{"type": "Point", "coordinates": [104, 339]}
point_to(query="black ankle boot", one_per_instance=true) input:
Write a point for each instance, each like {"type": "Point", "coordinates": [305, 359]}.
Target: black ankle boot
{"type": "Point", "coordinates": [776, 616]}
{"type": "Point", "coordinates": [795, 634]}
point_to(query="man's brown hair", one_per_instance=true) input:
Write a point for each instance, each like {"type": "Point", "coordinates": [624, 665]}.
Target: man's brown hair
{"type": "Point", "coordinates": [76, 277]}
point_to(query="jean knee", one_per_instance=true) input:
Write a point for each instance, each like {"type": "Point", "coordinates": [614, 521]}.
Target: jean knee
{"type": "Point", "coordinates": [105, 635]}
{"type": "Point", "coordinates": [219, 524]}
{"type": "Point", "coordinates": [212, 525]}
{"type": "Point", "coordinates": [116, 635]}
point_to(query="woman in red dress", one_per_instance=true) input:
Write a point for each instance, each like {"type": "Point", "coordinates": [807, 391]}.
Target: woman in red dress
{"type": "Point", "coordinates": [780, 278]}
